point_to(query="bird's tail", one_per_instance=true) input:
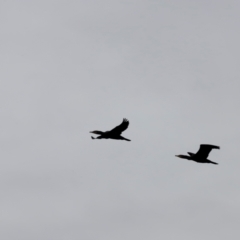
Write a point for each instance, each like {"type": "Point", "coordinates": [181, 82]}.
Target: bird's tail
{"type": "Point", "coordinates": [212, 162]}
{"type": "Point", "coordinates": [123, 138]}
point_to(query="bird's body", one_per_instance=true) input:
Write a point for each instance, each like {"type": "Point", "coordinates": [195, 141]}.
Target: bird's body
{"type": "Point", "coordinates": [201, 155]}
{"type": "Point", "coordinates": [115, 133]}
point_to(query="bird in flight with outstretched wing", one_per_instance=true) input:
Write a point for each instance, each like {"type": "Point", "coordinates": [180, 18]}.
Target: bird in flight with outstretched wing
{"type": "Point", "coordinates": [115, 133]}
{"type": "Point", "coordinates": [201, 155]}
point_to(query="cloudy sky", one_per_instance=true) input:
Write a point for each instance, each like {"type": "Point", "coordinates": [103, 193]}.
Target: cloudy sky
{"type": "Point", "coordinates": [70, 67]}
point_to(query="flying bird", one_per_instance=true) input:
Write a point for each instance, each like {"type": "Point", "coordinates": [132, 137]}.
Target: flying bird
{"type": "Point", "coordinates": [115, 133]}
{"type": "Point", "coordinates": [201, 155]}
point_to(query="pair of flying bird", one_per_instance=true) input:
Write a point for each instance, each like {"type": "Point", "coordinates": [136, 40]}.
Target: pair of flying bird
{"type": "Point", "coordinates": [200, 156]}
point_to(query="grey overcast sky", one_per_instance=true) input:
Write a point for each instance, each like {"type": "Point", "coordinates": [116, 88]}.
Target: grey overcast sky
{"type": "Point", "coordinates": [70, 67]}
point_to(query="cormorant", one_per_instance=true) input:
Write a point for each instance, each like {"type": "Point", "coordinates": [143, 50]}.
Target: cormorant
{"type": "Point", "coordinates": [201, 155]}
{"type": "Point", "coordinates": [115, 133]}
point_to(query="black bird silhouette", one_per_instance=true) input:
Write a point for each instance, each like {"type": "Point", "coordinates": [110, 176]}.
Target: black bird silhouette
{"type": "Point", "coordinates": [115, 133]}
{"type": "Point", "coordinates": [201, 155]}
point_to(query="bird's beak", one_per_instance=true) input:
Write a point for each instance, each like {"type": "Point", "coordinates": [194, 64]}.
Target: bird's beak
{"type": "Point", "coordinates": [91, 132]}
{"type": "Point", "coordinates": [176, 155]}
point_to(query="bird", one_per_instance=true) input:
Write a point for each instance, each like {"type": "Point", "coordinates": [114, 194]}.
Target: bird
{"type": "Point", "coordinates": [115, 133]}
{"type": "Point", "coordinates": [201, 155]}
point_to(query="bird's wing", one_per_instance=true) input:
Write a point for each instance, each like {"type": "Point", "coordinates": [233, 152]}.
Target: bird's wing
{"type": "Point", "coordinates": [120, 128]}
{"type": "Point", "coordinates": [205, 149]}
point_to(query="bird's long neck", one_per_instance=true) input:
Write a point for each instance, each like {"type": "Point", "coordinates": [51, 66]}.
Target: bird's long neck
{"type": "Point", "coordinates": [97, 132]}
{"type": "Point", "coordinates": [185, 157]}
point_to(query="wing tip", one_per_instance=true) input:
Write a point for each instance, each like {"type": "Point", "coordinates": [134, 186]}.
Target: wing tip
{"type": "Point", "coordinates": [209, 145]}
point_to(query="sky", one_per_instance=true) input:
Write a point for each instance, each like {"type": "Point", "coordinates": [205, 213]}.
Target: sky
{"type": "Point", "coordinates": [71, 67]}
